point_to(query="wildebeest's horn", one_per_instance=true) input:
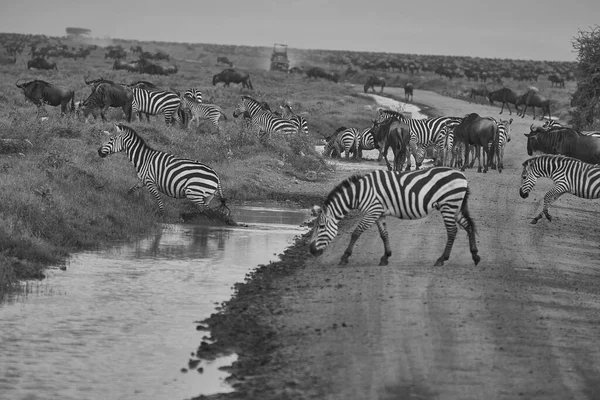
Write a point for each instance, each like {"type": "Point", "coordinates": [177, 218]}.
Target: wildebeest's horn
{"type": "Point", "coordinates": [531, 128]}
{"type": "Point", "coordinates": [17, 83]}
{"type": "Point", "coordinates": [86, 81]}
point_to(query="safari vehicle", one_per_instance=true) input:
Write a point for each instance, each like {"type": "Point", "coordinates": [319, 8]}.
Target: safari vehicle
{"type": "Point", "coordinates": [279, 59]}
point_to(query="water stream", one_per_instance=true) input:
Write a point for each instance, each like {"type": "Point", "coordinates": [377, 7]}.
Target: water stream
{"type": "Point", "coordinates": [119, 323]}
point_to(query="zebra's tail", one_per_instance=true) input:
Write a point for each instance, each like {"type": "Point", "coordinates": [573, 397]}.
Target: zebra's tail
{"type": "Point", "coordinates": [73, 103]}
{"type": "Point", "coordinates": [464, 209]}
{"type": "Point", "coordinates": [223, 114]}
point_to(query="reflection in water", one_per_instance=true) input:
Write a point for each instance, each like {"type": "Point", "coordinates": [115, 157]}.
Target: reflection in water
{"type": "Point", "coordinates": [119, 324]}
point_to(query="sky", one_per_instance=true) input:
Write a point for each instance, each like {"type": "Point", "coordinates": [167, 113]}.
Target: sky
{"type": "Point", "coordinates": [517, 29]}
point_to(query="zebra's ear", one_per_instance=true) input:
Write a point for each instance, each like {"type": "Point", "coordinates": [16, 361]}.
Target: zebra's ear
{"type": "Point", "coordinates": [315, 211]}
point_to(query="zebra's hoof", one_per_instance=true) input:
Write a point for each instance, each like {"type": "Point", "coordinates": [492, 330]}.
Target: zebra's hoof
{"type": "Point", "coordinates": [439, 262]}
{"type": "Point", "coordinates": [476, 259]}
{"type": "Point", "coordinates": [383, 262]}
{"type": "Point", "coordinates": [533, 221]}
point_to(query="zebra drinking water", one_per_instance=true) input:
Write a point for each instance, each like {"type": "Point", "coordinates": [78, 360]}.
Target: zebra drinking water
{"type": "Point", "coordinates": [409, 195]}
{"type": "Point", "coordinates": [164, 173]}
{"type": "Point", "coordinates": [570, 175]}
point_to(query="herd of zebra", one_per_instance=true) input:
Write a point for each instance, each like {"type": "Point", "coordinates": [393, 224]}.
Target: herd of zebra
{"type": "Point", "coordinates": [420, 134]}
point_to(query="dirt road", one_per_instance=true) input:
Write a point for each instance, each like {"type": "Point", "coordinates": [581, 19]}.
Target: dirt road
{"type": "Point", "coordinates": [525, 323]}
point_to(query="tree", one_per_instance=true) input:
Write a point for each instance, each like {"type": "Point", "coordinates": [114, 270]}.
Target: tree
{"type": "Point", "coordinates": [78, 31]}
{"type": "Point", "coordinates": [585, 103]}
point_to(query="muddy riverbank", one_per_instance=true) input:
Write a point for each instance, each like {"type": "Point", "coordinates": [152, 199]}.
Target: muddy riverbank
{"type": "Point", "coordinates": [524, 323]}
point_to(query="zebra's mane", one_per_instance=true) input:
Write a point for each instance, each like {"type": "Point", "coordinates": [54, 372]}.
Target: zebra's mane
{"type": "Point", "coordinates": [346, 183]}
{"type": "Point", "coordinates": [550, 157]}
{"type": "Point", "coordinates": [133, 133]}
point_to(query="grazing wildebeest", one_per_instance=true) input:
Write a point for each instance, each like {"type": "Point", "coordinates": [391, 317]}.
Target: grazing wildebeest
{"type": "Point", "coordinates": [224, 60]}
{"type": "Point", "coordinates": [556, 80]}
{"type": "Point", "coordinates": [318, 72]}
{"type": "Point", "coordinates": [41, 92]}
{"type": "Point", "coordinates": [565, 141]}
{"type": "Point", "coordinates": [480, 91]}
{"type": "Point", "coordinates": [127, 66]}
{"type": "Point", "coordinates": [480, 132]}
{"type": "Point", "coordinates": [41, 63]}
{"type": "Point", "coordinates": [170, 69]}
{"type": "Point", "coordinates": [408, 91]}
{"type": "Point", "coordinates": [105, 95]}
{"type": "Point", "coordinates": [231, 75]}
{"type": "Point", "coordinates": [504, 95]}
{"type": "Point", "coordinates": [534, 99]}
{"type": "Point", "coordinates": [373, 81]}
{"type": "Point", "coordinates": [394, 134]}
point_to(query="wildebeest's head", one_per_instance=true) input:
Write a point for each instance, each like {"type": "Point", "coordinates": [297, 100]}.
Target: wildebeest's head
{"type": "Point", "coordinates": [33, 90]}
{"type": "Point", "coordinates": [532, 140]}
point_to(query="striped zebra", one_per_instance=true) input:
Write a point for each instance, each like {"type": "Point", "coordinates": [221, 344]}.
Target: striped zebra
{"type": "Point", "coordinates": [153, 102]}
{"type": "Point", "coordinates": [409, 195]}
{"type": "Point", "coordinates": [164, 173]}
{"type": "Point", "coordinates": [199, 111]}
{"type": "Point", "coordinates": [570, 175]}
{"type": "Point", "coordinates": [503, 138]}
{"type": "Point", "coordinates": [194, 94]}
{"type": "Point", "coordinates": [365, 140]}
{"type": "Point", "coordinates": [342, 140]}
{"type": "Point", "coordinates": [264, 120]}
{"type": "Point", "coordinates": [423, 132]}
{"type": "Point", "coordinates": [288, 113]}
{"type": "Point", "coordinates": [552, 124]}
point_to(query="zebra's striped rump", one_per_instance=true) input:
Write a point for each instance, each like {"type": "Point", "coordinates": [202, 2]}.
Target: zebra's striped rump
{"type": "Point", "coordinates": [154, 102]}
{"type": "Point", "coordinates": [199, 111]}
{"type": "Point", "coordinates": [162, 172]}
{"type": "Point", "coordinates": [409, 195]}
{"type": "Point", "coordinates": [569, 175]}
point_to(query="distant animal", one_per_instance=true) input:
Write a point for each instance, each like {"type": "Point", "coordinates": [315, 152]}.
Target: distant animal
{"type": "Point", "coordinates": [479, 91]}
{"type": "Point", "coordinates": [116, 53]}
{"type": "Point", "coordinates": [41, 63]}
{"type": "Point", "coordinates": [565, 141]}
{"type": "Point", "coordinates": [480, 132]}
{"type": "Point", "coordinates": [408, 91]}
{"type": "Point", "coordinates": [119, 64]}
{"type": "Point", "coordinates": [373, 81]}
{"type": "Point", "coordinates": [395, 134]}
{"type": "Point", "coordinates": [154, 102]}
{"type": "Point", "coordinates": [199, 110]}
{"type": "Point", "coordinates": [170, 69]}
{"type": "Point", "coordinates": [569, 175]}
{"type": "Point", "coordinates": [231, 75]}
{"type": "Point", "coordinates": [41, 93]}
{"type": "Point", "coordinates": [505, 96]}
{"type": "Point", "coordinates": [556, 80]}
{"type": "Point", "coordinates": [300, 121]}
{"type": "Point", "coordinates": [224, 60]}
{"type": "Point", "coordinates": [164, 173]}
{"type": "Point", "coordinates": [318, 72]}
{"type": "Point", "coordinates": [107, 94]}
{"type": "Point", "coordinates": [533, 99]}
{"type": "Point", "coordinates": [265, 121]}
{"type": "Point", "coordinates": [296, 70]}
{"type": "Point", "coordinates": [409, 195]}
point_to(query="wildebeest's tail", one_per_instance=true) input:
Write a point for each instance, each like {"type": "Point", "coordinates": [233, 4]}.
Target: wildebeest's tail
{"type": "Point", "coordinates": [250, 84]}
{"type": "Point", "coordinates": [73, 102]}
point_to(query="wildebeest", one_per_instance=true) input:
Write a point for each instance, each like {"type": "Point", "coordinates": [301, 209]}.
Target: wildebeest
{"type": "Point", "coordinates": [224, 60]}
{"type": "Point", "coordinates": [231, 75]}
{"type": "Point", "coordinates": [105, 95]}
{"type": "Point", "coordinates": [533, 99]}
{"type": "Point", "coordinates": [41, 63]}
{"type": "Point", "coordinates": [565, 141]}
{"type": "Point", "coordinates": [296, 70]}
{"type": "Point", "coordinates": [116, 53]}
{"type": "Point", "coordinates": [408, 91]}
{"type": "Point", "coordinates": [170, 69]}
{"type": "Point", "coordinates": [373, 81]}
{"type": "Point", "coordinates": [480, 132]}
{"type": "Point", "coordinates": [41, 92]}
{"type": "Point", "coordinates": [479, 91]}
{"type": "Point", "coordinates": [504, 95]}
{"type": "Point", "coordinates": [556, 80]}
{"type": "Point", "coordinates": [127, 66]}
{"type": "Point", "coordinates": [394, 134]}
{"type": "Point", "coordinates": [318, 72]}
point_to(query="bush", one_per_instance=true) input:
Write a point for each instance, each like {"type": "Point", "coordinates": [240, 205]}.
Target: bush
{"type": "Point", "coordinates": [586, 99]}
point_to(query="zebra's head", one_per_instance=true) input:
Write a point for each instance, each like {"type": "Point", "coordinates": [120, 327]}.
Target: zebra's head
{"type": "Point", "coordinates": [324, 230]}
{"type": "Point", "coordinates": [507, 126]}
{"type": "Point", "coordinates": [528, 178]}
{"type": "Point", "coordinates": [240, 109]}
{"type": "Point", "coordinates": [116, 142]}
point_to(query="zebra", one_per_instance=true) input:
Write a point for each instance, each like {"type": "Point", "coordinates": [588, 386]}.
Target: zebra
{"type": "Point", "coordinates": [570, 175]}
{"type": "Point", "coordinates": [552, 124]}
{"type": "Point", "coordinates": [199, 111]}
{"type": "Point", "coordinates": [288, 113]}
{"type": "Point", "coordinates": [153, 102]}
{"type": "Point", "coordinates": [408, 195]}
{"type": "Point", "coordinates": [365, 140]}
{"type": "Point", "coordinates": [503, 138]}
{"type": "Point", "coordinates": [423, 132]}
{"type": "Point", "coordinates": [164, 173]}
{"type": "Point", "coordinates": [264, 120]}
{"type": "Point", "coordinates": [342, 140]}
{"type": "Point", "coordinates": [194, 94]}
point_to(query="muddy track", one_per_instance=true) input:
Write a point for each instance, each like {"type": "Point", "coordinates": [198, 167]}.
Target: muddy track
{"type": "Point", "coordinates": [524, 323]}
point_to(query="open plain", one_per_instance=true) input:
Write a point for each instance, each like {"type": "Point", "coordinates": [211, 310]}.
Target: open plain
{"type": "Point", "coordinates": [524, 323]}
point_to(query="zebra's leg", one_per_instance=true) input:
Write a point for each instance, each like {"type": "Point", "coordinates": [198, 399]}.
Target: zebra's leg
{"type": "Point", "coordinates": [387, 252]}
{"type": "Point", "coordinates": [550, 197]}
{"type": "Point", "coordinates": [464, 220]}
{"type": "Point", "coordinates": [363, 225]}
{"type": "Point", "coordinates": [154, 191]}
{"type": "Point", "coordinates": [478, 147]}
{"type": "Point", "coordinates": [413, 151]}
{"type": "Point", "coordinates": [448, 215]}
